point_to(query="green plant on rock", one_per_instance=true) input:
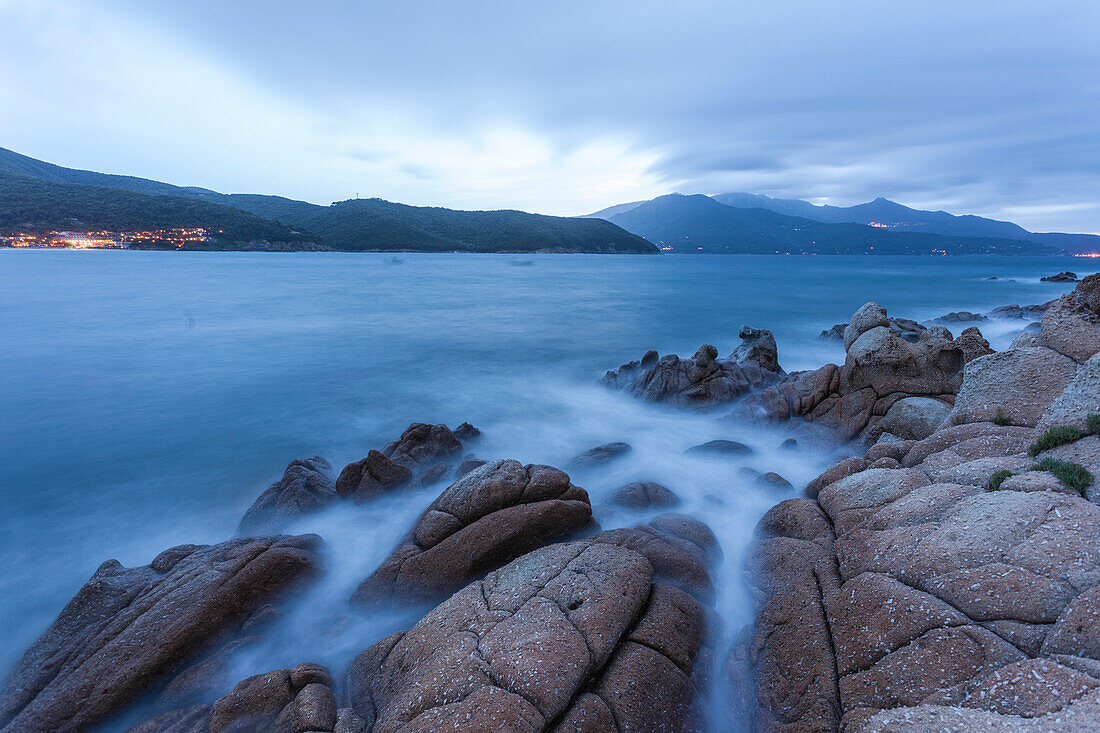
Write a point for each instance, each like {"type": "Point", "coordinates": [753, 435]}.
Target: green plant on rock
{"type": "Point", "coordinates": [997, 479]}
{"type": "Point", "coordinates": [1054, 437]}
{"type": "Point", "coordinates": [1000, 418]}
{"type": "Point", "coordinates": [1073, 475]}
{"type": "Point", "coordinates": [1092, 422]}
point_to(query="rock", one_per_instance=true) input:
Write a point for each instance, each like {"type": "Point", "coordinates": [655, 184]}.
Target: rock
{"type": "Point", "coordinates": [1061, 277]}
{"type": "Point", "coordinates": [128, 630]}
{"type": "Point", "coordinates": [772, 480]}
{"type": "Point", "coordinates": [870, 315]}
{"type": "Point", "coordinates": [835, 473]}
{"type": "Point", "coordinates": [466, 432]}
{"type": "Point", "coordinates": [284, 700]}
{"type": "Point", "coordinates": [1078, 400]}
{"type": "Point", "coordinates": [972, 344]}
{"type": "Point", "coordinates": [422, 446]}
{"type": "Point", "coordinates": [488, 517]}
{"type": "Point", "coordinates": [961, 317]}
{"type": "Point", "coordinates": [757, 347]}
{"type": "Point", "coordinates": [912, 418]}
{"type": "Point", "coordinates": [1028, 338]}
{"type": "Point", "coordinates": [1071, 326]}
{"type": "Point", "coordinates": [599, 455]}
{"type": "Point", "coordinates": [835, 333]}
{"type": "Point", "coordinates": [304, 488]}
{"type": "Point", "coordinates": [570, 637]}
{"type": "Point", "coordinates": [371, 477]}
{"type": "Point", "coordinates": [434, 474]}
{"type": "Point", "coordinates": [881, 361]}
{"type": "Point", "coordinates": [466, 466]}
{"type": "Point", "coordinates": [1017, 385]}
{"type": "Point", "coordinates": [790, 444]}
{"type": "Point", "coordinates": [704, 379]}
{"type": "Point", "coordinates": [644, 495]}
{"type": "Point", "coordinates": [722, 447]}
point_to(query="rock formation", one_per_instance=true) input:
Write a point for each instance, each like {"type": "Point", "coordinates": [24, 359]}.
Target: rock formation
{"type": "Point", "coordinates": [305, 487]}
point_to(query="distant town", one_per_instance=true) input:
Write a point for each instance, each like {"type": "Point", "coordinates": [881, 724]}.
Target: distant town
{"type": "Point", "coordinates": [179, 237]}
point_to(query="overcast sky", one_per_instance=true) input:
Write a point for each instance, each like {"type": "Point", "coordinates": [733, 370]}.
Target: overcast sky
{"type": "Point", "coordinates": [983, 106]}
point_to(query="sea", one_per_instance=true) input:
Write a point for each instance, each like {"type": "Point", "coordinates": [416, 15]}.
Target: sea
{"type": "Point", "coordinates": [147, 398]}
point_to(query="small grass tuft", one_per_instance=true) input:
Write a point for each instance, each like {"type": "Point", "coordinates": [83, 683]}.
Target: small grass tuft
{"type": "Point", "coordinates": [1092, 422]}
{"type": "Point", "coordinates": [997, 479]}
{"type": "Point", "coordinates": [1000, 418]}
{"type": "Point", "coordinates": [1054, 437]}
{"type": "Point", "coordinates": [1073, 475]}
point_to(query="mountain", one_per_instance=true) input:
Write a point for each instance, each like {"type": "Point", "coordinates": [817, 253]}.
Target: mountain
{"type": "Point", "coordinates": [883, 213]}
{"type": "Point", "coordinates": [40, 196]}
{"type": "Point", "coordinates": [698, 223]}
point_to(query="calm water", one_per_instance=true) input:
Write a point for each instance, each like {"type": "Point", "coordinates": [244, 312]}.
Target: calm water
{"type": "Point", "coordinates": [147, 398]}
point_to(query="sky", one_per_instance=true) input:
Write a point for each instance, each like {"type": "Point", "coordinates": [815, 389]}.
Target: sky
{"type": "Point", "coordinates": [981, 106]}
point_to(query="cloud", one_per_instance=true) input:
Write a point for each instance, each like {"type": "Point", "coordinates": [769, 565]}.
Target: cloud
{"type": "Point", "coordinates": [566, 107]}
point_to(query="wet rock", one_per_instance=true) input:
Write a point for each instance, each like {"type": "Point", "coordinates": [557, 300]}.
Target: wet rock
{"type": "Point", "coordinates": [434, 474]}
{"type": "Point", "coordinates": [305, 487]}
{"type": "Point", "coordinates": [1016, 386]}
{"type": "Point", "coordinates": [570, 637]}
{"type": "Point", "coordinates": [1061, 277]}
{"type": "Point", "coordinates": [599, 455]}
{"type": "Point", "coordinates": [704, 379]}
{"type": "Point", "coordinates": [721, 447]}
{"type": "Point", "coordinates": [644, 495]}
{"type": "Point", "coordinates": [371, 477]}
{"type": "Point", "coordinates": [490, 516]}
{"type": "Point", "coordinates": [128, 630]}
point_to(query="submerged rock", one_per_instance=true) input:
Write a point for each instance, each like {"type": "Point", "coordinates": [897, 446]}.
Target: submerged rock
{"type": "Point", "coordinates": [644, 495]}
{"type": "Point", "coordinates": [128, 630]}
{"type": "Point", "coordinates": [1061, 277]}
{"type": "Point", "coordinates": [721, 447]}
{"type": "Point", "coordinates": [599, 455]}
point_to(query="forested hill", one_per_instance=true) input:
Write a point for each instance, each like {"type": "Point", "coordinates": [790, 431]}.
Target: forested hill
{"type": "Point", "coordinates": [39, 195]}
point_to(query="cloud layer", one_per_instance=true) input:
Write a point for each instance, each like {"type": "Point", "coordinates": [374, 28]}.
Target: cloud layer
{"type": "Point", "coordinates": [985, 106]}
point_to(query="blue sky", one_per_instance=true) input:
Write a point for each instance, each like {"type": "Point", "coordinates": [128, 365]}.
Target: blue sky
{"type": "Point", "coordinates": [984, 106]}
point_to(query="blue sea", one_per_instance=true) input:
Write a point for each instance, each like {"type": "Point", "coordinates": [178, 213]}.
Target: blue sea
{"type": "Point", "coordinates": [146, 398]}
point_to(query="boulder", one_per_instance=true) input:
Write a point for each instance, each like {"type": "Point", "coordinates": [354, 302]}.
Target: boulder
{"type": "Point", "coordinates": [644, 495]}
{"type": "Point", "coordinates": [467, 432]}
{"type": "Point", "coordinates": [887, 364]}
{"type": "Point", "coordinates": [599, 455]}
{"type": "Point", "coordinates": [490, 516]}
{"type": "Point", "coordinates": [422, 446]}
{"type": "Point", "coordinates": [912, 418]}
{"type": "Point", "coordinates": [1078, 400]}
{"type": "Point", "coordinates": [757, 347]}
{"type": "Point", "coordinates": [870, 315]}
{"type": "Point", "coordinates": [468, 465]}
{"type": "Point", "coordinates": [305, 487]}
{"type": "Point", "coordinates": [128, 630]}
{"type": "Point", "coordinates": [1017, 385]}
{"type": "Point", "coordinates": [574, 636]}
{"type": "Point", "coordinates": [1071, 325]}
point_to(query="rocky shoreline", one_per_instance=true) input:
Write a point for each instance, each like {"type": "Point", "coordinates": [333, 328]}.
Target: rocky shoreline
{"type": "Point", "coordinates": [944, 575]}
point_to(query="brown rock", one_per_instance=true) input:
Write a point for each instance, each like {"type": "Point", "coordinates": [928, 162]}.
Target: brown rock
{"type": "Point", "coordinates": [371, 477]}
{"type": "Point", "coordinates": [644, 495]}
{"type": "Point", "coordinates": [488, 517]}
{"type": "Point", "coordinates": [304, 488]}
{"type": "Point", "coordinates": [127, 629]}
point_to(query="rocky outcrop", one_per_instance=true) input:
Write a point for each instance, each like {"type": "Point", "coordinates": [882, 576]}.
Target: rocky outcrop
{"type": "Point", "coordinates": [129, 630]}
{"type": "Point", "coordinates": [704, 379]}
{"type": "Point", "coordinates": [490, 516]}
{"type": "Point", "coordinates": [1061, 277]}
{"type": "Point", "coordinates": [915, 593]}
{"type": "Point", "coordinates": [1078, 400]}
{"type": "Point", "coordinates": [424, 452]}
{"type": "Point", "coordinates": [572, 637]}
{"type": "Point", "coordinates": [973, 344]}
{"type": "Point", "coordinates": [305, 487]}
{"type": "Point", "coordinates": [880, 368]}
